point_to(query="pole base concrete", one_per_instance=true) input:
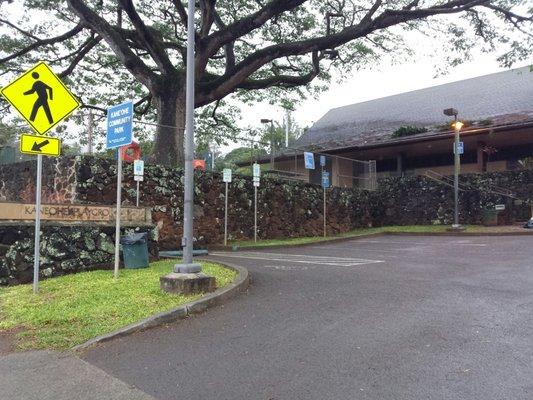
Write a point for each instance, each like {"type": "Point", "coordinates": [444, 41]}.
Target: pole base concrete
{"type": "Point", "coordinates": [456, 228]}
{"type": "Point", "coordinates": [187, 284]}
{"type": "Point", "coordinates": [187, 268]}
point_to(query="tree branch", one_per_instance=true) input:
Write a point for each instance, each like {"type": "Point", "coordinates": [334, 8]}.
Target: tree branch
{"type": "Point", "coordinates": [82, 52]}
{"type": "Point", "coordinates": [150, 42]}
{"type": "Point", "coordinates": [181, 12]}
{"type": "Point", "coordinates": [118, 44]}
{"type": "Point", "coordinates": [284, 81]}
{"type": "Point", "coordinates": [207, 8]}
{"type": "Point", "coordinates": [43, 42]}
{"type": "Point", "coordinates": [214, 42]}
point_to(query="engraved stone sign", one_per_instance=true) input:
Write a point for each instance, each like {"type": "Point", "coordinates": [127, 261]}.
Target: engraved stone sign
{"type": "Point", "coordinates": [74, 213]}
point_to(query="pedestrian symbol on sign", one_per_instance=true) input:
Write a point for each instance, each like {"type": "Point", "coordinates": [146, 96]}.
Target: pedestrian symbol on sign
{"type": "Point", "coordinates": [42, 90]}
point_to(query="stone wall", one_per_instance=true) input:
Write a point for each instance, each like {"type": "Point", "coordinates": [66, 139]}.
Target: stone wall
{"type": "Point", "coordinates": [286, 209]}
{"type": "Point", "coordinates": [17, 181]}
{"type": "Point", "coordinates": [420, 200]}
{"type": "Point", "coordinates": [64, 249]}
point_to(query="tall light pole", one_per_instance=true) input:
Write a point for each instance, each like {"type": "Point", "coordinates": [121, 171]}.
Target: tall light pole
{"type": "Point", "coordinates": [457, 125]}
{"type": "Point", "coordinates": [188, 204]}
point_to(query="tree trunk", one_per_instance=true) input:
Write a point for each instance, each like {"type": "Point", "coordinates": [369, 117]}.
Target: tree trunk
{"type": "Point", "coordinates": [168, 142]}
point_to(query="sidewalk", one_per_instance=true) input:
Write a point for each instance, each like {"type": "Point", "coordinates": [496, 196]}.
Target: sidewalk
{"type": "Point", "coordinates": [45, 375]}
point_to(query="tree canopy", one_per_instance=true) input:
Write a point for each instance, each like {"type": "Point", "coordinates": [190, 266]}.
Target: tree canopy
{"type": "Point", "coordinates": [276, 50]}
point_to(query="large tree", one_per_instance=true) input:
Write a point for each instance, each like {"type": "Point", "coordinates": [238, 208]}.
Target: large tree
{"type": "Point", "coordinates": [243, 46]}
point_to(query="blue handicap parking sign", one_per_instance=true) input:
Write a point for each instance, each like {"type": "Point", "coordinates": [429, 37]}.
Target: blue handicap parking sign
{"type": "Point", "coordinates": [325, 179]}
{"type": "Point", "coordinates": [309, 160]}
{"type": "Point", "coordinates": [460, 147]}
{"type": "Point", "coordinates": [119, 125]}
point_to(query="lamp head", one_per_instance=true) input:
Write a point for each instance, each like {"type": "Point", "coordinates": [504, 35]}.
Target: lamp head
{"type": "Point", "coordinates": [451, 112]}
{"type": "Point", "coordinates": [458, 125]}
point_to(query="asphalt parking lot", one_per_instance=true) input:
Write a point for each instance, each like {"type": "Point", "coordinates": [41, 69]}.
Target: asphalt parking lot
{"type": "Point", "coordinates": [389, 317]}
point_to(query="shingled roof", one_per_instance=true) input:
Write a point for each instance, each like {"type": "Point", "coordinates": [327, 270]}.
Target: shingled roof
{"type": "Point", "coordinates": [503, 98]}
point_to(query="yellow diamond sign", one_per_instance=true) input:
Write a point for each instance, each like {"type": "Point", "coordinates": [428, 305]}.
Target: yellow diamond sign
{"type": "Point", "coordinates": [44, 145]}
{"type": "Point", "coordinates": [40, 98]}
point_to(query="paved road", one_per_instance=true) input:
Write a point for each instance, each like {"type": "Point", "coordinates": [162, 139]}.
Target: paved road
{"type": "Point", "coordinates": [383, 318]}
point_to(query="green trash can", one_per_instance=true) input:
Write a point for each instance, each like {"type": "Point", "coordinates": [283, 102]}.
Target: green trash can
{"type": "Point", "coordinates": [490, 217]}
{"type": "Point", "coordinates": [135, 250]}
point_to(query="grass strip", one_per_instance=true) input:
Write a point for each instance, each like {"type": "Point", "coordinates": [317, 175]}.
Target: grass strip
{"type": "Point", "coordinates": [72, 309]}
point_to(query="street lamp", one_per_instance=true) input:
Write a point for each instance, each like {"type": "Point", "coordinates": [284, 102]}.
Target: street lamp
{"type": "Point", "coordinates": [271, 122]}
{"type": "Point", "coordinates": [457, 125]}
{"type": "Point", "coordinates": [188, 207]}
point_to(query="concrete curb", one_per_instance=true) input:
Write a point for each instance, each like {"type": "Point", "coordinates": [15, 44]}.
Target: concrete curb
{"type": "Point", "coordinates": [366, 236]}
{"type": "Point", "coordinates": [239, 285]}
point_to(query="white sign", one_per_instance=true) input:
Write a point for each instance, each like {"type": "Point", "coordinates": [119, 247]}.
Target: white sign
{"type": "Point", "coordinates": [257, 170]}
{"type": "Point", "coordinates": [226, 175]}
{"type": "Point", "coordinates": [500, 207]}
{"type": "Point", "coordinates": [256, 183]}
{"type": "Point", "coordinates": [138, 178]}
{"type": "Point", "coordinates": [138, 167]}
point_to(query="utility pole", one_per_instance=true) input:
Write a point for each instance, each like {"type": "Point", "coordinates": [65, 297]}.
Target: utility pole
{"type": "Point", "coordinates": [188, 212]}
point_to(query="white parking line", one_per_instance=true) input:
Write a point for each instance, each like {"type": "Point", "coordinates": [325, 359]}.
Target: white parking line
{"type": "Point", "coordinates": [300, 258]}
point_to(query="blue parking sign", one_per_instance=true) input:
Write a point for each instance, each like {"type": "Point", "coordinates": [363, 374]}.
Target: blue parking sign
{"type": "Point", "coordinates": [309, 159]}
{"type": "Point", "coordinates": [119, 125]}
{"type": "Point", "coordinates": [325, 180]}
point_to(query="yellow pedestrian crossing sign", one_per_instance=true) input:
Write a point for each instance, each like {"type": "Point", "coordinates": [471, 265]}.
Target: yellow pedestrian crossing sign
{"type": "Point", "coordinates": [40, 98]}
{"type": "Point", "coordinates": [44, 145]}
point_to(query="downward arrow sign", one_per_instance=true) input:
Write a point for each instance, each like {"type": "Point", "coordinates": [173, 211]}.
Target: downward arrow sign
{"type": "Point", "coordinates": [38, 146]}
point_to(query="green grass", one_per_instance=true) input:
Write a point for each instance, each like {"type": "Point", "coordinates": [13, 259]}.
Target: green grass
{"type": "Point", "coordinates": [72, 309]}
{"type": "Point", "coordinates": [363, 232]}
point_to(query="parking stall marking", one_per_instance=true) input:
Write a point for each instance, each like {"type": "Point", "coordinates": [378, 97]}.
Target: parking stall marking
{"type": "Point", "coordinates": [300, 258]}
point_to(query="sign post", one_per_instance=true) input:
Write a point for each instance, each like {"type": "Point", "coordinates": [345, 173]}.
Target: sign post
{"type": "Point", "coordinates": [325, 186]}
{"type": "Point", "coordinates": [40, 97]}
{"type": "Point", "coordinates": [227, 179]}
{"type": "Point", "coordinates": [37, 236]}
{"type": "Point", "coordinates": [119, 133]}
{"type": "Point", "coordinates": [256, 180]}
{"type": "Point", "coordinates": [138, 176]}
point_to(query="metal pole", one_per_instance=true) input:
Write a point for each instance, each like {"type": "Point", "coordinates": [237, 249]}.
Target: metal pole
{"type": "Point", "coordinates": [188, 202]}
{"type": "Point", "coordinates": [255, 214]}
{"type": "Point", "coordinates": [138, 194]}
{"type": "Point", "coordinates": [324, 187]}
{"type": "Point", "coordinates": [226, 217]}
{"type": "Point", "coordinates": [457, 168]}
{"type": "Point", "coordinates": [117, 217]}
{"type": "Point", "coordinates": [325, 229]}
{"type": "Point", "coordinates": [271, 144]}
{"type": "Point", "coordinates": [36, 250]}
